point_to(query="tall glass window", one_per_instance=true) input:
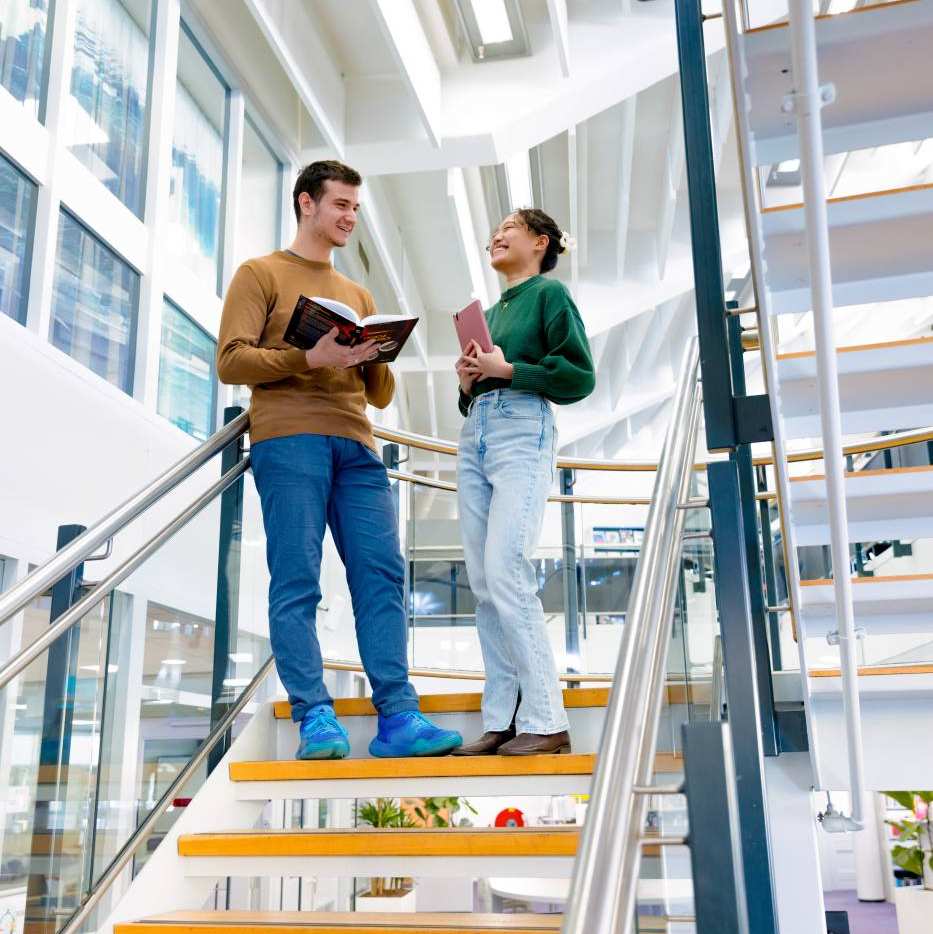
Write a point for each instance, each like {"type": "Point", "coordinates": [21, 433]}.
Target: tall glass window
{"type": "Point", "coordinates": [197, 162]}
{"type": "Point", "coordinates": [259, 210]}
{"type": "Point", "coordinates": [17, 210]}
{"type": "Point", "coordinates": [94, 302]}
{"type": "Point", "coordinates": [23, 30]}
{"type": "Point", "coordinates": [187, 383]}
{"type": "Point", "coordinates": [105, 118]}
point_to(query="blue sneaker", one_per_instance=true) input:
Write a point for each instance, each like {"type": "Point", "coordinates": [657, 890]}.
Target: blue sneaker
{"type": "Point", "coordinates": [322, 736]}
{"type": "Point", "coordinates": [410, 733]}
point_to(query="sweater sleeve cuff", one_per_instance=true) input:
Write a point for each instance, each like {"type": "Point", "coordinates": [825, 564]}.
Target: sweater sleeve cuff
{"type": "Point", "coordinates": [529, 377]}
{"type": "Point", "coordinates": [295, 360]}
{"type": "Point", "coordinates": [464, 403]}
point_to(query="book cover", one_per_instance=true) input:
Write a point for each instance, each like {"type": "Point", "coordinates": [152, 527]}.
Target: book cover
{"type": "Point", "coordinates": [315, 317]}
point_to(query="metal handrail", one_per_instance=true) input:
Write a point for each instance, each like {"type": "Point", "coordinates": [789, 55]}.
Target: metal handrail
{"type": "Point", "coordinates": [808, 99]}
{"type": "Point", "coordinates": [762, 298]}
{"type": "Point", "coordinates": [69, 557]}
{"type": "Point", "coordinates": [122, 859]}
{"type": "Point", "coordinates": [26, 656]}
{"type": "Point", "coordinates": [605, 872]}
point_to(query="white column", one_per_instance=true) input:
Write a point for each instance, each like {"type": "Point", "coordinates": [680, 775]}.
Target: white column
{"type": "Point", "coordinates": [161, 116]}
{"type": "Point", "coordinates": [795, 860]}
{"type": "Point", "coordinates": [870, 859]}
{"type": "Point", "coordinates": [233, 173]}
{"type": "Point", "coordinates": [48, 201]}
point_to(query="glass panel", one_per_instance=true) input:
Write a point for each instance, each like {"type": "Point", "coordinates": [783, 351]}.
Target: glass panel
{"type": "Point", "coordinates": [187, 383]}
{"type": "Point", "coordinates": [94, 304]}
{"type": "Point", "coordinates": [23, 28]}
{"type": "Point", "coordinates": [105, 116]}
{"type": "Point", "coordinates": [17, 214]}
{"type": "Point", "coordinates": [197, 162]}
{"type": "Point", "coordinates": [260, 198]}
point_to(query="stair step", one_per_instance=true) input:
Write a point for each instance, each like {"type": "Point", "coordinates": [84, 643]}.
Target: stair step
{"type": "Point", "coordinates": [881, 505]}
{"type": "Point", "coordinates": [447, 852]}
{"type": "Point", "coordinates": [574, 698]}
{"type": "Point", "coordinates": [313, 922]}
{"type": "Point", "coordinates": [879, 246]}
{"type": "Point", "coordinates": [882, 387]}
{"type": "Point", "coordinates": [883, 604]}
{"type": "Point", "coordinates": [877, 57]}
{"type": "Point", "coordinates": [416, 777]}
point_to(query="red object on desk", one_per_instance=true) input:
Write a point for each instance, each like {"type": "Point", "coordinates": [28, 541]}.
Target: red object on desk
{"type": "Point", "coordinates": [510, 817]}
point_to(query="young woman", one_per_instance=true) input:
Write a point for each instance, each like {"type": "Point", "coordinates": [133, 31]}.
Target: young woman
{"type": "Point", "coordinates": [505, 470]}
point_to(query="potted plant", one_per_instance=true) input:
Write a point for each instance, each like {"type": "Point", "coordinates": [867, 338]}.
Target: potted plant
{"type": "Point", "coordinates": [914, 848]}
{"type": "Point", "coordinates": [439, 812]}
{"type": "Point", "coordinates": [395, 894]}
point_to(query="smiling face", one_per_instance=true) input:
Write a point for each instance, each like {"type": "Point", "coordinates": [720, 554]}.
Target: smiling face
{"type": "Point", "coordinates": [333, 217]}
{"type": "Point", "coordinates": [513, 246]}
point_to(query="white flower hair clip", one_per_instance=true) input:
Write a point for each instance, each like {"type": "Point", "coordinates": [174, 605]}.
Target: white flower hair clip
{"type": "Point", "coordinates": [567, 242]}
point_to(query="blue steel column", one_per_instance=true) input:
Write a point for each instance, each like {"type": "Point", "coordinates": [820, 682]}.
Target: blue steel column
{"type": "Point", "coordinates": [742, 457]}
{"type": "Point", "coordinates": [738, 645]}
{"type": "Point", "coordinates": [226, 615]}
{"type": "Point", "coordinates": [47, 864]}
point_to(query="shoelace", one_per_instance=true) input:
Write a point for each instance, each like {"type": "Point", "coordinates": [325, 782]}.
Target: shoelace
{"type": "Point", "coordinates": [321, 719]}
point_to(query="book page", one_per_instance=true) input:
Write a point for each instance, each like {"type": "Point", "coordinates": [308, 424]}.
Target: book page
{"type": "Point", "coordinates": [385, 319]}
{"type": "Point", "coordinates": [338, 308]}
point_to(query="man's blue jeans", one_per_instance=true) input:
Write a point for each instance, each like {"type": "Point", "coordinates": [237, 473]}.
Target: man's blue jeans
{"type": "Point", "coordinates": [305, 481]}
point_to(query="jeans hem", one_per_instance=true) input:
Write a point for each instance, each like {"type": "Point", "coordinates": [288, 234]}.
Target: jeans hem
{"type": "Point", "coordinates": [387, 710]}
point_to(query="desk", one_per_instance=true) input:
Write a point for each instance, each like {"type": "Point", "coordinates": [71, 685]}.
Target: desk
{"type": "Point", "coordinates": [914, 909]}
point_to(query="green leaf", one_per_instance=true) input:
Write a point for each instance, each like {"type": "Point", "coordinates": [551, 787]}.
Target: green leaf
{"type": "Point", "coordinates": [925, 796]}
{"type": "Point", "coordinates": [909, 858]}
{"type": "Point", "coordinates": [904, 798]}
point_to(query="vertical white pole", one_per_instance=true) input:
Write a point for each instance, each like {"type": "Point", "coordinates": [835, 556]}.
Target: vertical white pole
{"type": "Point", "coordinates": [806, 102]}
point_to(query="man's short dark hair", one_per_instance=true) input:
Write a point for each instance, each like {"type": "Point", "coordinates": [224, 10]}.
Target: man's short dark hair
{"type": "Point", "coordinates": [313, 177]}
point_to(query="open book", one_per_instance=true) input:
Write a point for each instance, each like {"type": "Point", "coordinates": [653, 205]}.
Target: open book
{"type": "Point", "coordinates": [315, 317]}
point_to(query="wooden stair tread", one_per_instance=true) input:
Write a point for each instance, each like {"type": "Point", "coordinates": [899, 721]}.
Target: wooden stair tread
{"type": "Point", "coordinates": [423, 767]}
{"type": "Point", "coordinates": [327, 922]}
{"type": "Point", "coordinates": [420, 841]}
{"type": "Point", "coordinates": [447, 703]}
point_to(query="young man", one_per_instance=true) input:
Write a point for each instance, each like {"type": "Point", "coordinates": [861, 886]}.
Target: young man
{"type": "Point", "coordinates": [314, 462]}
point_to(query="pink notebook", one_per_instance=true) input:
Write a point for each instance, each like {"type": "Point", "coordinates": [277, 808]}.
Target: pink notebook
{"type": "Point", "coordinates": [471, 325]}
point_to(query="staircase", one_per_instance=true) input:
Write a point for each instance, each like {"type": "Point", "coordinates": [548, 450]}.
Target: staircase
{"type": "Point", "coordinates": [200, 848]}
{"type": "Point", "coordinates": [876, 56]}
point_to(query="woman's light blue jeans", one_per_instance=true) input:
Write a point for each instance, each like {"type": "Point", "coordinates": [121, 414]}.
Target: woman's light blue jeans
{"type": "Point", "coordinates": [504, 473]}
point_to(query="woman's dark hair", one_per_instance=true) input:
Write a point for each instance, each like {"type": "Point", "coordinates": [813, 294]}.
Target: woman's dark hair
{"type": "Point", "coordinates": [540, 224]}
{"type": "Point", "coordinates": [313, 177]}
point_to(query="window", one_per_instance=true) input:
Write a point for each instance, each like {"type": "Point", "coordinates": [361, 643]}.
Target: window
{"type": "Point", "coordinates": [17, 210]}
{"type": "Point", "coordinates": [105, 116]}
{"type": "Point", "coordinates": [197, 162]}
{"type": "Point", "coordinates": [94, 301]}
{"type": "Point", "coordinates": [23, 29]}
{"type": "Point", "coordinates": [187, 384]}
{"type": "Point", "coordinates": [260, 205]}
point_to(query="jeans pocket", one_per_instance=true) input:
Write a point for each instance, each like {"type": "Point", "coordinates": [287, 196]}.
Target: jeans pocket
{"type": "Point", "coordinates": [521, 407]}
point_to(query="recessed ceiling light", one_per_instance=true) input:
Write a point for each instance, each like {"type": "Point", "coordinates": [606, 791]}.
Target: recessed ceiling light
{"type": "Point", "coordinates": [96, 668]}
{"type": "Point", "coordinates": [174, 661]}
{"type": "Point", "coordinates": [518, 173]}
{"type": "Point", "coordinates": [20, 707]}
{"type": "Point", "coordinates": [492, 19]}
{"type": "Point", "coordinates": [243, 658]}
{"type": "Point", "coordinates": [235, 682]}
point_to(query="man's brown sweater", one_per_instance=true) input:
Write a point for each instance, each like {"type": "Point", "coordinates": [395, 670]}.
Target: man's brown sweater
{"type": "Point", "coordinates": [288, 397]}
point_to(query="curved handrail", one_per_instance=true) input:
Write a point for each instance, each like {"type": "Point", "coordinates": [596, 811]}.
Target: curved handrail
{"type": "Point", "coordinates": [31, 652]}
{"type": "Point", "coordinates": [69, 557]}
{"type": "Point", "coordinates": [602, 896]}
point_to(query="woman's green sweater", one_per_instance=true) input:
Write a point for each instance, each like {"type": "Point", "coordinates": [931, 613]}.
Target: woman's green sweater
{"type": "Point", "coordinates": [541, 334]}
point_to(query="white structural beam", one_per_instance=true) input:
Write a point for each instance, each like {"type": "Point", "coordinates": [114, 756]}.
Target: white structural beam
{"type": "Point", "coordinates": [671, 175]}
{"type": "Point", "coordinates": [303, 55]}
{"type": "Point", "coordinates": [466, 229]}
{"type": "Point", "coordinates": [574, 177]}
{"type": "Point", "coordinates": [632, 405]}
{"type": "Point", "coordinates": [373, 216]}
{"type": "Point", "coordinates": [398, 20]}
{"type": "Point", "coordinates": [626, 160]}
{"type": "Point", "coordinates": [560, 29]}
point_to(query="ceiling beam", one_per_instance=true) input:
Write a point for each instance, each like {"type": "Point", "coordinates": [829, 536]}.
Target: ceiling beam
{"type": "Point", "coordinates": [398, 20]}
{"type": "Point", "coordinates": [632, 405]}
{"type": "Point", "coordinates": [308, 65]}
{"type": "Point", "coordinates": [626, 161]}
{"type": "Point", "coordinates": [473, 253]}
{"type": "Point", "coordinates": [557, 11]}
{"type": "Point", "coordinates": [671, 177]}
{"type": "Point", "coordinates": [573, 175]}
